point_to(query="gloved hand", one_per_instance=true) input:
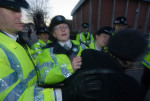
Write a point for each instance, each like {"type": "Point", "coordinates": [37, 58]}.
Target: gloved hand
{"type": "Point", "coordinates": [82, 86]}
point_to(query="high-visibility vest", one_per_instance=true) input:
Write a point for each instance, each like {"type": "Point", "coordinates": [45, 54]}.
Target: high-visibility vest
{"type": "Point", "coordinates": [82, 38]}
{"type": "Point", "coordinates": [37, 47]}
{"type": "Point", "coordinates": [92, 46]}
{"type": "Point", "coordinates": [18, 78]}
{"type": "Point", "coordinates": [54, 68]}
{"type": "Point", "coordinates": [146, 60]}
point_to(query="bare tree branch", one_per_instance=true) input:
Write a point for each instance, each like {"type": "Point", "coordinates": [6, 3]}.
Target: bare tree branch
{"type": "Point", "coordinates": [38, 12]}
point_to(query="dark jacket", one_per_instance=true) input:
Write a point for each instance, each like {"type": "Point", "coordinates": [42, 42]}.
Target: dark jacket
{"type": "Point", "coordinates": [115, 84]}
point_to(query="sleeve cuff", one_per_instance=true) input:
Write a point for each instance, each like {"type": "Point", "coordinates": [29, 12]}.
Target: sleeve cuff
{"type": "Point", "coordinates": [58, 94]}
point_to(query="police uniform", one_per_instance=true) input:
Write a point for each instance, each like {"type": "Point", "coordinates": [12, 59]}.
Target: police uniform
{"type": "Point", "coordinates": [85, 38]}
{"type": "Point", "coordinates": [18, 78]}
{"type": "Point", "coordinates": [55, 62]}
{"type": "Point", "coordinates": [145, 82]}
{"type": "Point", "coordinates": [146, 60]}
{"type": "Point", "coordinates": [37, 47]}
{"type": "Point", "coordinates": [121, 20]}
{"type": "Point", "coordinates": [106, 30]}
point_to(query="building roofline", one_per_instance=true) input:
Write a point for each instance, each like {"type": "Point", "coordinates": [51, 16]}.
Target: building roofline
{"type": "Point", "coordinates": [77, 6]}
{"type": "Point", "coordinates": [82, 1]}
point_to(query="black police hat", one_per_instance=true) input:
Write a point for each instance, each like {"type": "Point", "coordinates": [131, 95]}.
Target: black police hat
{"type": "Point", "coordinates": [106, 29]}
{"type": "Point", "coordinates": [121, 20]}
{"type": "Point", "coordinates": [128, 44]}
{"type": "Point", "coordinates": [59, 19]}
{"type": "Point", "coordinates": [85, 25]}
{"type": "Point", "coordinates": [14, 4]}
{"type": "Point", "coordinates": [42, 30]}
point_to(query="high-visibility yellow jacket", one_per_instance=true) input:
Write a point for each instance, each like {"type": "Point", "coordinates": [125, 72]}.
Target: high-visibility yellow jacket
{"type": "Point", "coordinates": [146, 60]}
{"type": "Point", "coordinates": [92, 46]}
{"type": "Point", "coordinates": [54, 65]}
{"type": "Point", "coordinates": [37, 47]}
{"type": "Point", "coordinates": [84, 39]}
{"type": "Point", "coordinates": [18, 78]}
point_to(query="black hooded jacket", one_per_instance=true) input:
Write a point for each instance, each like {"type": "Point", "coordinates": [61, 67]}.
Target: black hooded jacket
{"type": "Point", "coordinates": [115, 84]}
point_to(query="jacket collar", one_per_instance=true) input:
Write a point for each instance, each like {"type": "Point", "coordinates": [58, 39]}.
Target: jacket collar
{"type": "Point", "coordinates": [11, 42]}
{"type": "Point", "coordinates": [5, 39]}
{"type": "Point", "coordinates": [58, 49]}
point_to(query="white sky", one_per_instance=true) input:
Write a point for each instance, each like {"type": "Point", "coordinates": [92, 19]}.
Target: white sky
{"type": "Point", "coordinates": [62, 7]}
{"type": "Point", "coordinates": [56, 7]}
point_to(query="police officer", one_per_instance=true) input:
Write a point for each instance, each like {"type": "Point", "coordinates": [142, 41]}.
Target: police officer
{"type": "Point", "coordinates": [145, 82]}
{"type": "Point", "coordinates": [43, 39]}
{"type": "Point", "coordinates": [85, 37]}
{"type": "Point", "coordinates": [120, 23]}
{"type": "Point", "coordinates": [18, 78]}
{"type": "Point", "coordinates": [62, 57]}
{"type": "Point", "coordinates": [101, 38]}
{"type": "Point", "coordinates": [39, 17]}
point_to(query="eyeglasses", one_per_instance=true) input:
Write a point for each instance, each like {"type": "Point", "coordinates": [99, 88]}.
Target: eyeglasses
{"type": "Point", "coordinates": [61, 27]}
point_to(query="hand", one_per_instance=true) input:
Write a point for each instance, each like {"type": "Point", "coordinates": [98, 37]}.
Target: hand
{"type": "Point", "coordinates": [76, 62]}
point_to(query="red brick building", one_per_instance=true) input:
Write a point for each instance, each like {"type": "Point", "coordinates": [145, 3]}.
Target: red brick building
{"type": "Point", "coordinates": [100, 13]}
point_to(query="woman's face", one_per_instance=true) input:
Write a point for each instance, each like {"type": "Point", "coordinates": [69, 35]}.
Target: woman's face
{"type": "Point", "coordinates": [61, 32]}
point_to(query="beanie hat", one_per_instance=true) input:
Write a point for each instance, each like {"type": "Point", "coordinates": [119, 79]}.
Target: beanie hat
{"type": "Point", "coordinates": [127, 44]}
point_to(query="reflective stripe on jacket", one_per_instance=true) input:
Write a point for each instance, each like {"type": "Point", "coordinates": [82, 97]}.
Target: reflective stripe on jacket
{"type": "Point", "coordinates": [82, 38]}
{"type": "Point", "coordinates": [146, 60]}
{"type": "Point", "coordinates": [92, 45]}
{"type": "Point", "coordinates": [37, 47]}
{"type": "Point", "coordinates": [18, 78]}
{"type": "Point", "coordinates": [54, 68]}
